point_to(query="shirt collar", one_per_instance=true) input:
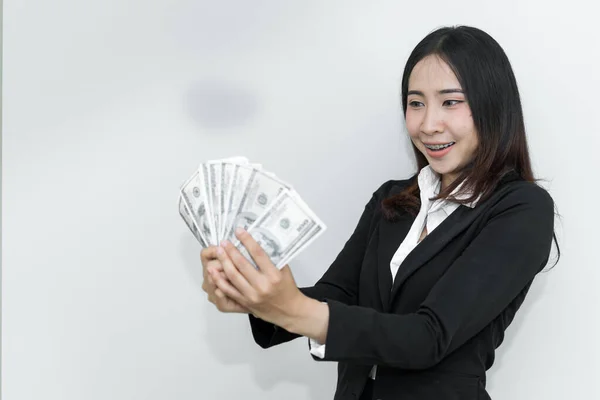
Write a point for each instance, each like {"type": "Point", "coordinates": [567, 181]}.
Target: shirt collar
{"type": "Point", "coordinates": [430, 184]}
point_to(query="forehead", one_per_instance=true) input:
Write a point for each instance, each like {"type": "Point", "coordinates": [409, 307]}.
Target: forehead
{"type": "Point", "coordinates": [432, 74]}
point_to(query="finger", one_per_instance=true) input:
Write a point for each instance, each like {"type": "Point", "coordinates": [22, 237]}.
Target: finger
{"type": "Point", "coordinates": [227, 289]}
{"type": "Point", "coordinates": [233, 272]}
{"type": "Point", "coordinates": [208, 253]}
{"type": "Point", "coordinates": [258, 254]}
{"type": "Point", "coordinates": [229, 305]}
{"type": "Point", "coordinates": [218, 273]}
{"type": "Point", "coordinates": [285, 270]}
{"type": "Point", "coordinates": [215, 265]}
{"type": "Point", "coordinates": [210, 279]}
{"type": "Point", "coordinates": [223, 275]}
{"type": "Point", "coordinates": [243, 265]}
{"type": "Point", "coordinates": [211, 298]}
{"type": "Point", "coordinates": [208, 257]}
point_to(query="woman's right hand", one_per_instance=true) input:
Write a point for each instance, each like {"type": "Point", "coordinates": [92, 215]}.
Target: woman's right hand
{"type": "Point", "coordinates": [209, 259]}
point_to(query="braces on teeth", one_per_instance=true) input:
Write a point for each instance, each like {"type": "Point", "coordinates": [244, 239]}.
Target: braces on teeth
{"type": "Point", "coordinates": [439, 146]}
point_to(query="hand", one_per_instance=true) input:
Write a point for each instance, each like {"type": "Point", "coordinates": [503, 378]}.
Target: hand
{"type": "Point", "coordinates": [211, 266]}
{"type": "Point", "coordinates": [269, 293]}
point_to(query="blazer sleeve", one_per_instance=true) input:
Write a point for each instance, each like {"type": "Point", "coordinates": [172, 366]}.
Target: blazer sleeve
{"type": "Point", "coordinates": [340, 281]}
{"type": "Point", "coordinates": [500, 262]}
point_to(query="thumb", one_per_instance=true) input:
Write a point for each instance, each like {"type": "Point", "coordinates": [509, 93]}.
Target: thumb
{"type": "Point", "coordinates": [215, 265]}
{"type": "Point", "coordinates": [287, 272]}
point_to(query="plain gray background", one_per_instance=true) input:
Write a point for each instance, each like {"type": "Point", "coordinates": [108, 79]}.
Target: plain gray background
{"type": "Point", "coordinates": [108, 106]}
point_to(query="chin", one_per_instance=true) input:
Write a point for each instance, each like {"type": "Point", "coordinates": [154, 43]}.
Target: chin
{"type": "Point", "coordinates": [442, 167]}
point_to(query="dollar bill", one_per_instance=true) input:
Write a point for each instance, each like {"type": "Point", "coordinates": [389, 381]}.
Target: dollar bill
{"type": "Point", "coordinates": [314, 233]}
{"type": "Point", "coordinates": [221, 177]}
{"type": "Point", "coordinates": [260, 191]}
{"type": "Point", "coordinates": [240, 176]}
{"type": "Point", "coordinates": [187, 217]}
{"type": "Point", "coordinates": [317, 230]}
{"type": "Point", "coordinates": [193, 193]}
{"type": "Point", "coordinates": [227, 171]}
{"type": "Point", "coordinates": [282, 228]}
{"type": "Point", "coordinates": [228, 193]}
{"type": "Point", "coordinates": [213, 188]}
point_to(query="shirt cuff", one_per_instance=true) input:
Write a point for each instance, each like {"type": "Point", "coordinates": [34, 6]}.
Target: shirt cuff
{"type": "Point", "coordinates": [316, 349]}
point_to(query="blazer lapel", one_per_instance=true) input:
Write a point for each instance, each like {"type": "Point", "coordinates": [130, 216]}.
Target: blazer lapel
{"type": "Point", "coordinates": [434, 242]}
{"type": "Point", "coordinates": [391, 235]}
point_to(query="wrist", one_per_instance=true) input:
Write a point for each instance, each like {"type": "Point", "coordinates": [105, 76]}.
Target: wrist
{"type": "Point", "coordinates": [310, 318]}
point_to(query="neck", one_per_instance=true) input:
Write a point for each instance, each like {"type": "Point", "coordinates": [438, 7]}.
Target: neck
{"type": "Point", "coordinates": [447, 180]}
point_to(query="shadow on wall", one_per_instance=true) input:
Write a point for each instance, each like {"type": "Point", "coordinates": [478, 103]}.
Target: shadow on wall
{"type": "Point", "coordinates": [214, 103]}
{"type": "Point", "coordinates": [230, 340]}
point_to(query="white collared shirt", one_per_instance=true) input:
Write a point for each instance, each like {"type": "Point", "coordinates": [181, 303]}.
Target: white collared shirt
{"type": "Point", "coordinates": [431, 215]}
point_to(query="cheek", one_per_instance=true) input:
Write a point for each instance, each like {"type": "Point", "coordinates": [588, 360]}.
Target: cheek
{"type": "Point", "coordinates": [463, 128]}
{"type": "Point", "coordinates": [412, 125]}
{"type": "Point", "coordinates": [470, 143]}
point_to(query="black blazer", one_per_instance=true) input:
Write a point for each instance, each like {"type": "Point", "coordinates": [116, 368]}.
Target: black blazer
{"type": "Point", "coordinates": [434, 331]}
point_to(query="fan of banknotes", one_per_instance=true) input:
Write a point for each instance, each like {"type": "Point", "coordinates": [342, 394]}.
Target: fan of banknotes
{"type": "Point", "coordinates": [225, 194]}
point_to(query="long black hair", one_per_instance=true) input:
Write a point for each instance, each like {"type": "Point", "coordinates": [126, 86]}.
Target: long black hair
{"type": "Point", "coordinates": [488, 82]}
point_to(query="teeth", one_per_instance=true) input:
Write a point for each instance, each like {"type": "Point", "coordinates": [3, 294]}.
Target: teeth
{"type": "Point", "coordinates": [439, 146]}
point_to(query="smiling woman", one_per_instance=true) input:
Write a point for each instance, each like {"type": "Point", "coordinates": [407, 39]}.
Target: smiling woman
{"type": "Point", "coordinates": [438, 118]}
{"type": "Point", "coordinates": [417, 301]}
{"type": "Point", "coordinates": [459, 91]}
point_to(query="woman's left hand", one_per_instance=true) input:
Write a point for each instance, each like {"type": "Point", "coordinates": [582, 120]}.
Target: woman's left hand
{"type": "Point", "coordinates": [269, 293]}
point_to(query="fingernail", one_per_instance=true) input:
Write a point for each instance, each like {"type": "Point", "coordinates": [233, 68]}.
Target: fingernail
{"type": "Point", "coordinates": [220, 251]}
{"type": "Point", "coordinates": [239, 230]}
{"type": "Point", "coordinates": [224, 243]}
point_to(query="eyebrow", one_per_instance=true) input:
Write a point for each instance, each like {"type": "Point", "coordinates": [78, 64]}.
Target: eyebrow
{"type": "Point", "coordinates": [443, 91]}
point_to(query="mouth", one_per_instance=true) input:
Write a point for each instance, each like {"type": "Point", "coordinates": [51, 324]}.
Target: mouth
{"type": "Point", "coordinates": [439, 147]}
{"type": "Point", "coordinates": [439, 150]}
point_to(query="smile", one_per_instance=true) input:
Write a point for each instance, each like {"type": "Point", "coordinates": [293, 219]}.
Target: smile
{"type": "Point", "coordinates": [436, 147]}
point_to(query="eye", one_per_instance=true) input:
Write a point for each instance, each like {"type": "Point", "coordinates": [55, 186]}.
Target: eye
{"type": "Point", "coordinates": [454, 102]}
{"type": "Point", "coordinates": [415, 104]}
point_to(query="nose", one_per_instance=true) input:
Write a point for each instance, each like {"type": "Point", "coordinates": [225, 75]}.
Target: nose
{"type": "Point", "coordinates": [432, 122]}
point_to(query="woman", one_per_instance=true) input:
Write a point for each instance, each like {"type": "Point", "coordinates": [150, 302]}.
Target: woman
{"type": "Point", "coordinates": [417, 301]}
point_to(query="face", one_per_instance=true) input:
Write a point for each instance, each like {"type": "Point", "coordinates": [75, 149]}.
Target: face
{"type": "Point", "coordinates": [438, 118]}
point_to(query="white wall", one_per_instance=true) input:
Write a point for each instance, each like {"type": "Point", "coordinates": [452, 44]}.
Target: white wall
{"type": "Point", "coordinates": [109, 105]}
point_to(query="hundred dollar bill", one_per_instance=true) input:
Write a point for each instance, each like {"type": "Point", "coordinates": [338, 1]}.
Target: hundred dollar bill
{"type": "Point", "coordinates": [227, 171]}
{"type": "Point", "coordinates": [260, 191]}
{"type": "Point", "coordinates": [213, 189]}
{"type": "Point", "coordinates": [187, 217]}
{"type": "Point", "coordinates": [314, 233]}
{"type": "Point", "coordinates": [193, 193]}
{"type": "Point", "coordinates": [282, 228]}
{"type": "Point", "coordinates": [238, 180]}
{"type": "Point", "coordinates": [224, 176]}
